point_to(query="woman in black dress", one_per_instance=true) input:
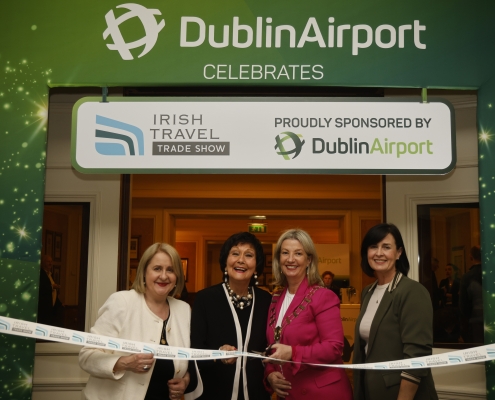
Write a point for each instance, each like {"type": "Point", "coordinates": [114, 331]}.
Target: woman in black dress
{"type": "Point", "coordinates": [232, 315]}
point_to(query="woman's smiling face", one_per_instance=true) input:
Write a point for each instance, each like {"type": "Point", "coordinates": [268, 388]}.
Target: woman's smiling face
{"type": "Point", "coordinates": [241, 263]}
{"type": "Point", "coordinates": [383, 256]}
{"type": "Point", "coordinates": [293, 261]}
{"type": "Point", "coordinates": [160, 277]}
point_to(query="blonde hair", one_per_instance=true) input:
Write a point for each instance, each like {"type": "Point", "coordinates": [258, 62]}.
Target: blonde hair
{"type": "Point", "coordinates": [149, 253]}
{"type": "Point", "coordinates": [309, 248]}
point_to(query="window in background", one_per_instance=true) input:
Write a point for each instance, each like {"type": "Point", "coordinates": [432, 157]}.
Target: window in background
{"type": "Point", "coordinates": [450, 268]}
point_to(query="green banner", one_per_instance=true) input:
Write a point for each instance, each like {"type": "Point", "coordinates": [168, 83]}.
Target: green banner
{"type": "Point", "coordinates": [252, 42]}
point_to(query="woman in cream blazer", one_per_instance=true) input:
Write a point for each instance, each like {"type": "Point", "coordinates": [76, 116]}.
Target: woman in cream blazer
{"type": "Point", "coordinates": [147, 313]}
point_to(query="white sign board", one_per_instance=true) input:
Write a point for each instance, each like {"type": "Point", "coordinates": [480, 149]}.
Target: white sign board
{"type": "Point", "coordinates": [334, 258]}
{"type": "Point", "coordinates": [263, 135]}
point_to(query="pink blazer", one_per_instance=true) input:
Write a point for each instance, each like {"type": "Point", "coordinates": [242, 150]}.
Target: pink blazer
{"type": "Point", "coordinates": [316, 336]}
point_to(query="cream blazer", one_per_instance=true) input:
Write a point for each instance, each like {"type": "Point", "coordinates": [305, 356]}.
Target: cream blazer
{"type": "Point", "coordinates": [126, 315]}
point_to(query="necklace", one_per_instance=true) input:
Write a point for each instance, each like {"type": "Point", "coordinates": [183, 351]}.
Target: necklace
{"type": "Point", "coordinates": [277, 330]}
{"type": "Point", "coordinates": [239, 301]}
{"type": "Point", "coordinates": [163, 339]}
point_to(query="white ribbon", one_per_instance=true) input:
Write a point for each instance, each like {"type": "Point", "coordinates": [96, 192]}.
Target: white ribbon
{"type": "Point", "coordinates": [16, 327]}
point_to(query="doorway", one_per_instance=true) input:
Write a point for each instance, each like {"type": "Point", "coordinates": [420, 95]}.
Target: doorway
{"type": "Point", "coordinates": [65, 245]}
{"type": "Point", "coordinates": [204, 210]}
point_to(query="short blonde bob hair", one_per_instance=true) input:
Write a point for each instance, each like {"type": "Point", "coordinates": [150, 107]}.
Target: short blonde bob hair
{"type": "Point", "coordinates": [309, 248]}
{"type": "Point", "coordinates": [149, 253]}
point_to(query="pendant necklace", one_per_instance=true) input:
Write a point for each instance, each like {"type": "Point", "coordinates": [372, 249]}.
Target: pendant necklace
{"type": "Point", "coordinates": [163, 339]}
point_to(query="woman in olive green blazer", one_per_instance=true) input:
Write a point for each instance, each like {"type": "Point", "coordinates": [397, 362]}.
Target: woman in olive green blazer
{"type": "Point", "coordinates": [395, 322]}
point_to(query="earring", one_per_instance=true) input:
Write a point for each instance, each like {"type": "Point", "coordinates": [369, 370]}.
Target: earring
{"type": "Point", "coordinates": [226, 275]}
{"type": "Point", "coordinates": [256, 279]}
{"type": "Point", "coordinates": [307, 270]}
{"type": "Point", "coordinates": [144, 282]}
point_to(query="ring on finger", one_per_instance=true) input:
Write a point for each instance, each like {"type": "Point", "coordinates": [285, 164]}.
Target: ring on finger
{"type": "Point", "coordinates": [146, 367]}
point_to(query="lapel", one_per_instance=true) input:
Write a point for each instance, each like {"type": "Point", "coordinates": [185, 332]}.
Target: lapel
{"type": "Point", "coordinates": [278, 299]}
{"type": "Point", "coordinates": [301, 292]}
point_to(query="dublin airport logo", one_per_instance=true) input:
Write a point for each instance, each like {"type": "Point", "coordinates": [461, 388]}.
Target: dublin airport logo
{"type": "Point", "coordinates": [293, 146]}
{"type": "Point", "coordinates": [116, 138]}
{"type": "Point", "coordinates": [150, 25]}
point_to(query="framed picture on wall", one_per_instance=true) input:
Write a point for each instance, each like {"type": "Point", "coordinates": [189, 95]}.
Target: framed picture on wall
{"type": "Point", "coordinates": [57, 247]}
{"type": "Point", "coordinates": [184, 267]}
{"type": "Point", "coordinates": [268, 278]}
{"type": "Point", "coordinates": [49, 243]}
{"type": "Point", "coordinates": [134, 248]}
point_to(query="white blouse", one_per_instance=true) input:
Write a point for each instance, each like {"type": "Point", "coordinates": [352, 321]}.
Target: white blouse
{"type": "Point", "coordinates": [285, 306]}
{"type": "Point", "coordinates": [365, 326]}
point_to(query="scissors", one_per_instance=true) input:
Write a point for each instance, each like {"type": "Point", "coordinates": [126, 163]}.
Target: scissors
{"type": "Point", "coordinates": [264, 353]}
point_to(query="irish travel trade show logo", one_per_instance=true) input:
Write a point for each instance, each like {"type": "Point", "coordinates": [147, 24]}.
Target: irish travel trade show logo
{"type": "Point", "coordinates": [150, 25]}
{"type": "Point", "coordinates": [117, 138]}
{"type": "Point", "coordinates": [293, 146]}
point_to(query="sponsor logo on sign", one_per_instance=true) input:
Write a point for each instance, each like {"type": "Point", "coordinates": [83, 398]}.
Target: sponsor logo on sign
{"type": "Point", "coordinates": [117, 138]}
{"type": "Point", "coordinates": [150, 25]}
{"type": "Point", "coordinates": [259, 32]}
{"type": "Point", "coordinates": [293, 138]}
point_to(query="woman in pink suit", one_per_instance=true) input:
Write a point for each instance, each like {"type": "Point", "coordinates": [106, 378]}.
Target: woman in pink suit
{"type": "Point", "coordinates": [304, 326]}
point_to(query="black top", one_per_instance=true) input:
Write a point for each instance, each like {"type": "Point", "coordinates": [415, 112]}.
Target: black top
{"type": "Point", "coordinates": [212, 326]}
{"type": "Point", "coordinates": [163, 372]}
